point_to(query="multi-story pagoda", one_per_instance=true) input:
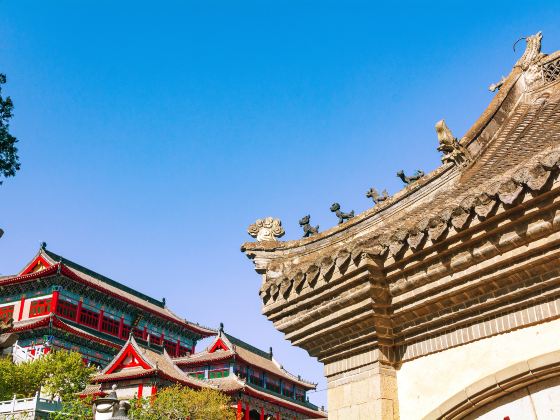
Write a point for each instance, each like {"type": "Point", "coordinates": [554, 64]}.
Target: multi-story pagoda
{"type": "Point", "coordinates": [56, 303]}
{"type": "Point", "coordinates": [258, 385]}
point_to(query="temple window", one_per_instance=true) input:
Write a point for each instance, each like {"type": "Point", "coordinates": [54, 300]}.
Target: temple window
{"type": "Point", "coordinates": [67, 309]}
{"type": "Point", "coordinates": [40, 307]}
{"type": "Point", "coordinates": [138, 333]}
{"type": "Point", "coordinates": [300, 394]}
{"type": "Point", "coordinates": [6, 313]}
{"type": "Point", "coordinates": [218, 371]}
{"type": "Point", "coordinates": [170, 347]}
{"type": "Point", "coordinates": [110, 326]}
{"type": "Point", "coordinates": [155, 339]}
{"type": "Point", "coordinates": [241, 371]}
{"type": "Point", "coordinates": [256, 378]}
{"type": "Point", "coordinates": [89, 318]}
{"type": "Point", "coordinates": [184, 351]}
{"type": "Point", "coordinates": [288, 390]}
{"type": "Point", "coordinates": [195, 372]}
{"type": "Point", "coordinates": [125, 331]}
{"type": "Point", "coordinates": [272, 384]}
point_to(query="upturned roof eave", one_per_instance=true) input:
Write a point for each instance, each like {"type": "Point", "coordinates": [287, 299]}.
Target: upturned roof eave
{"type": "Point", "coordinates": [289, 249]}
{"type": "Point", "coordinates": [283, 248]}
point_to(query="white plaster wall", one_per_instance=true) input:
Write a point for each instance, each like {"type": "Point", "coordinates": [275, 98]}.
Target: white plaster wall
{"type": "Point", "coordinates": [425, 383]}
{"type": "Point", "coordinates": [129, 391]}
{"type": "Point", "coordinates": [537, 402]}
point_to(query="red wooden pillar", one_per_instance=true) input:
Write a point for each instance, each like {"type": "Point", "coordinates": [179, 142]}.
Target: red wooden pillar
{"type": "Point", "coordinates": [21, 305]}
{"type": "Point", "coordinates": [262, 413]}
{"type": "Point", "coordinates": [79, 311]}
{"type": "Point", "coordinates": [239, 410]}
{"type": "Point", "coordinates": [54, 301]}
{"type": "Point", "coordinates": [277, 416]}
{"type": "Point", "coordinates": [100, 320]}
{"type": "Point", "coordinates": [177, 348]}
{"type": "Point", "coordinates": [140, 390]}
{"type": "Point", "coordinates": [145, 333]}
{"type": "Point", "coordinates": [121, 325]}
{"type": "Point", "coordinates": [247, 408]}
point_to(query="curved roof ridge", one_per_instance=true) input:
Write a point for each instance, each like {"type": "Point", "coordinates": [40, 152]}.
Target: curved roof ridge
{"type": "Point", "coordinates": [297, 378]}
{"type": "Point", "coordinates": [367, 218]}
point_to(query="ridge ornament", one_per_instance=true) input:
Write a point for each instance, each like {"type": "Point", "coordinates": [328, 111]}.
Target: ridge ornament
{"type": "Point", "coordinates": [308, 230]}
{"type": "Point", "coordinates": [267, 229]}
{"type": "Point", "coordinates": [342, 217]}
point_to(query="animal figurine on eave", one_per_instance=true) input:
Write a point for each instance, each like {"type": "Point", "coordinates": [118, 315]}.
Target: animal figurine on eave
{"type": "Point", "coordinates": [410, 179]}
{"type": "Point", "coordinates": [342, 217]}
{"type": "Point", "coordinates": [453, 151]}
{"type": "Point", "coordinates": [308, 230]}
{"type": "Point", "coordinates": [376, 197]}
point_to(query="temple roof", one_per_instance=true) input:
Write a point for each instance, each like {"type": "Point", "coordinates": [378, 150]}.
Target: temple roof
{"type": "Point", "coordinates": [53, 263]}
{"type": "Point", "coordinates": [237, 348]}
{"type": "Point", "coordinates": [511, 149]}
{"type": "Point", "coordinates": [148, 363]}
{"type": "Point", "coordinates": [134, 361]}
{"type": "Point", "coordinates": [54, 321]}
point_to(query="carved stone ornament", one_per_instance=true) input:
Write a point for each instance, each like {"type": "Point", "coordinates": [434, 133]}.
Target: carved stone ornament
{"type": "Point", "coordinates": [532, 51]}
{"type": "Point", "coordinates": [376, 197]}
{"type": "Point", "coordinates": [267, 229]}
{"type": "Point", "coordinates": [449, 146]}
{"type": "Point", "coordinates": [308, 230]}
{"type": "Point", "coordinates": [335, 208]}
{"type": "Point", "coordinates": [410, 179]}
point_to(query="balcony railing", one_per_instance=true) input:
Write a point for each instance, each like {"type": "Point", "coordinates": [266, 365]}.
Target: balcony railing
{"type": "Point", "coordinates": [29, 405]}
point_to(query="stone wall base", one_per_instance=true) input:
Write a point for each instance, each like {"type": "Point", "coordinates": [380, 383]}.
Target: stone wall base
{"type": "Point", "coordinates": [364, 393]}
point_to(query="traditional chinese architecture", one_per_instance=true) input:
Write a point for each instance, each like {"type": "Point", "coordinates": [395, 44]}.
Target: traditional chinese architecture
{"type": "Point", "coordinates": [139, 344]}
{"type": "Point", "coordinates": [443, 300]}
{"type": "Point", "coordinates": [258, 385]}
{"type": "Point", "coordinates": [56, 303]}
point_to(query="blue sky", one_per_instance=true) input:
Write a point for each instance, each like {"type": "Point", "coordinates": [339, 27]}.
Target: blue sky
{"type": "Point", "coordinates": [153, 133]}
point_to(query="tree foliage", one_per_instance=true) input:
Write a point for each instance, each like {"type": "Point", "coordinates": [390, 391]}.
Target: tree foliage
{"type": "Point", "coordinates": [58, 374]}
{"type": "Point", "coordinates": [178, 403]}
{"type": "Point", "coordinates": [9, 160]}
{"type": "Point", "coordinates": [75, 409]}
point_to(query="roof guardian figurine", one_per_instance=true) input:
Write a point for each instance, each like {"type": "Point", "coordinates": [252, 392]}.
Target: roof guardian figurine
{"type": "Point", "coordinates": [410, 179]}
{"type": "Point", "coordinates": [335, 208]}
{"type": "Point", "coordinates": [308, 230]}
{"type": "Point", "coordinates": [452, 150]}
{"type": "Point", "coordinates": [374, 195]}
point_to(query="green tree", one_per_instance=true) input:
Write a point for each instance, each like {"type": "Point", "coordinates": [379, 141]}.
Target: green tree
{"type": "Point", "coordinates": [58, 374]}
{"type": "Point", "coordinates": [75, 409]}
{"type": "Point", "coordinates": [179, 403]}
{"type": "Point", "coordinates": [9, 160]}
{"type": "Point", "coordinates": [64, 373]}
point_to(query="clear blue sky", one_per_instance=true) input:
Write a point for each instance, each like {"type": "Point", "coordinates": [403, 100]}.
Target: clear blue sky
{"type": "Point", "coordinates": [153, 133]}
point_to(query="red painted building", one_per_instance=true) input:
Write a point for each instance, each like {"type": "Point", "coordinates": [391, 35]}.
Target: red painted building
{"type": "Point", "coordinates": [56, 303]}
{"type": "Point", "coordinates": [137, 342]}
{"type": "Point", "coordinates": [259, 386]}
